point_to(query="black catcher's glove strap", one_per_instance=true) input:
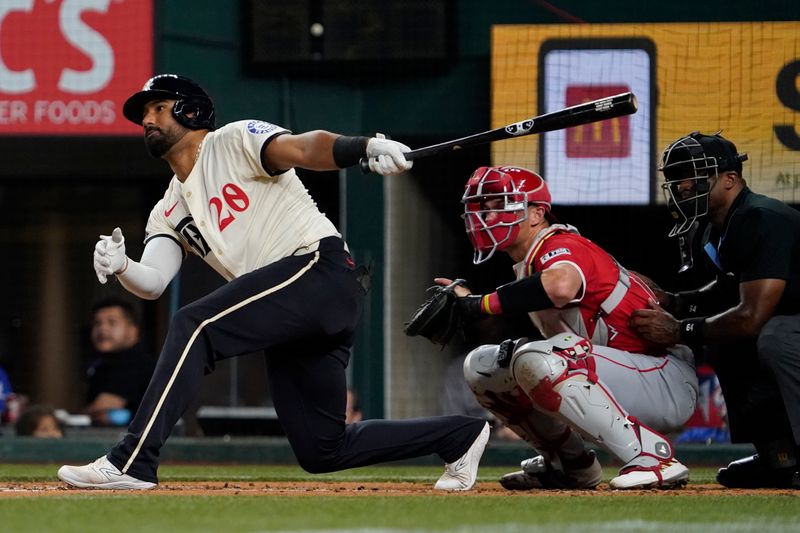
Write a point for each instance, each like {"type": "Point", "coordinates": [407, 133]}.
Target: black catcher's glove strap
{"type": "Point", "coordinates": [439, 317]}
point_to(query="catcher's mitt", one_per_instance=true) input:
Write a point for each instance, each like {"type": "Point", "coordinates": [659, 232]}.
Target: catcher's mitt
{"type": "Point", "coordinates": [439, 318]}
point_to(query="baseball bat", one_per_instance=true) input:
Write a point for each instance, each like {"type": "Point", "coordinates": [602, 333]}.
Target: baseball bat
{"type": "Point", "coordinates": [602, 109]}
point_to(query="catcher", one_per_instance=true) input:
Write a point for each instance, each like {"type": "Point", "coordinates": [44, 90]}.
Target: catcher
{"type": "Point", "coordinates": [593, 377]}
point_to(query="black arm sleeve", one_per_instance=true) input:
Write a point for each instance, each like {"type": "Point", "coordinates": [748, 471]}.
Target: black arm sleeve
{"type": "Point", "coordinates": [524, 295]}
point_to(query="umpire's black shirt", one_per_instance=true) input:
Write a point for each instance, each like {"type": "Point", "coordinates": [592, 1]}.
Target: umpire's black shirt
{"type": "Point", "coordinates": [760, 239]}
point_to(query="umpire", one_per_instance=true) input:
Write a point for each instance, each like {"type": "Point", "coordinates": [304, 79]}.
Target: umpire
{"type": "Point", "coordinates": [749, 317]}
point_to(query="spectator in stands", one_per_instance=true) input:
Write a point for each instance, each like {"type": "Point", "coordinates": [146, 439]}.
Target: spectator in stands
{"type": "Point", "coordinates": [120, 368]}
{"type": "Point", "coordinates": [9, 403]}
{"type": "Point", "coordinates": [5, 395]}
{"type": "Point", "coordinates": [39, 421]}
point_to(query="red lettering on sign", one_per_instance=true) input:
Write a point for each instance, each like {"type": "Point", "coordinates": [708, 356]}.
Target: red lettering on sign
{"type": "Point", "coordinates": [66, 66]}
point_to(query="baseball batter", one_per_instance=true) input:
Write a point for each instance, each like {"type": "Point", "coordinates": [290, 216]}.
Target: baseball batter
{"type": "Point", "coordinates": [593, 373]}
{"type": "Point", "coordinates": [294, 291]}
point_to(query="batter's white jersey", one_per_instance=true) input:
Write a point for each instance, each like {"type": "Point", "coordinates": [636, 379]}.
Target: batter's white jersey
{"type": "Point", "coordinates": [231, 212]}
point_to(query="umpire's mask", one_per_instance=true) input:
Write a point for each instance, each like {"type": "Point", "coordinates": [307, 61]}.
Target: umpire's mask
{"type": "Point", "coordinates": [687, 164]}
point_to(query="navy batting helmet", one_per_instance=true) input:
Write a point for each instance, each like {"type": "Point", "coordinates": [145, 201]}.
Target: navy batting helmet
{"type": "Point", "coordinates": [191, 99]}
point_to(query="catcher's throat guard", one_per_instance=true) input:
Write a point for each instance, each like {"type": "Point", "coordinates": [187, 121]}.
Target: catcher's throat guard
{"type": "Point", "coordinates": [685, 244]}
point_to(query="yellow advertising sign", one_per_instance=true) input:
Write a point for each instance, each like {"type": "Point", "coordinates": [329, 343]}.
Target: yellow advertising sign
{"type": "Point", "coordinates": [741, 78]}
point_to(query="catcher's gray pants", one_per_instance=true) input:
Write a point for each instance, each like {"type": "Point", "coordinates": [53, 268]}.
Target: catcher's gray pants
{"type": "Point", "coordinates": [660, 392]}
{"type": "Point", "coordinates": [302, 310]}
{"type": "Point", "coordinates": [761, 382]}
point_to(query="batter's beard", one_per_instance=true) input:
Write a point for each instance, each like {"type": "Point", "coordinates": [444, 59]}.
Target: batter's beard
{"type": "Point", "coordinates": [161, 142]}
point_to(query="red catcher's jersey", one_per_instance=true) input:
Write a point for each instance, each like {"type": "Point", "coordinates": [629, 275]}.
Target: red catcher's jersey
{"type": "Point", "coordinates": [600, 274]}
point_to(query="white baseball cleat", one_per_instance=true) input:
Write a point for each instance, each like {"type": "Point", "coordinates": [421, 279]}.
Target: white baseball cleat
{"type": "Point", "coordinates": [666, 475]}
{"type": "Point", "coordinates": [101, 474]}
{"type": "Point", "coordinates": [461, 474]}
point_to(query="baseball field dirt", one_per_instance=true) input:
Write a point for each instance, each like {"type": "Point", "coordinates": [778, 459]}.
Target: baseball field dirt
{"type": "Point", "coordinates": [364, 489]}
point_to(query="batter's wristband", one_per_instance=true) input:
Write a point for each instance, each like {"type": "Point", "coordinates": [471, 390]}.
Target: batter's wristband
{"type": "Point", "coordinates": [347, 151]}
{"type": "Point", "coordinates": [524, 295]}
{"type": "Point", "coordinates": [692, 331]}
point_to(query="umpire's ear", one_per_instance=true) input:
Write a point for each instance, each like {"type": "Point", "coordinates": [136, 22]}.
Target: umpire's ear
{"type": "Point", "coordinates": [729, 180]}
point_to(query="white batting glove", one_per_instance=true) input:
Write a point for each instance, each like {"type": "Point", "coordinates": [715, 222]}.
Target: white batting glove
{"type": "Point", "coordinates": [109, 255]}
{"type": "Point", "coordinates": [386, 157]}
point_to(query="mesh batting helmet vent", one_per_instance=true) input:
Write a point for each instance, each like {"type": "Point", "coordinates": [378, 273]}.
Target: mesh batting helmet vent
{"type": "Point", "coordinates": [687, 165]}
{"type": "Point", "coordinates": [496, 201]}
{"type": "Point", "coordinates": [193, 106]}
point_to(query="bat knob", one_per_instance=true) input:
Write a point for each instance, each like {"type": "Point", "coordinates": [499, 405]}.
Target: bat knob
{"type": "Point", "coordinates": [363, 164]}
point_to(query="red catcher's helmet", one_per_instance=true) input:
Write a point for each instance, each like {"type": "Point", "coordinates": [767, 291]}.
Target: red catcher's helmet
{"type": "Point", "coordinates": [494, 226]}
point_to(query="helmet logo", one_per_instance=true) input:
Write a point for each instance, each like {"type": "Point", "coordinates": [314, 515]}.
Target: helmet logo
{"type": "Point", "coordinates": [149, 83]}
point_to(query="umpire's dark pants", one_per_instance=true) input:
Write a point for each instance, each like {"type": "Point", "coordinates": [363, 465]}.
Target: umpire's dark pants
{"type": "Point", "coordinates": [303, 311]}
{"type": "Point", "coordinates": [762, 394]}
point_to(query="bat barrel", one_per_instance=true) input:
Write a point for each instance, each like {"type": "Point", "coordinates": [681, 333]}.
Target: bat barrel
{"type": "Point", "coordinates": [601, 109]}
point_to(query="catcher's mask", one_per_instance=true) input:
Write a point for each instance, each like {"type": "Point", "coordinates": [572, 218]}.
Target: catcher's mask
{"type": "Point", "coordinates": [496, 201]}
{"type": "Point", "coordinates": [193, 107]}
{"type": "Point", "coordinates": [687, 164]}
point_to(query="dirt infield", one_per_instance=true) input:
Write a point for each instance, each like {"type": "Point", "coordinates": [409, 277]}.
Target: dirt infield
{"type": "Point", "coordinates": [349, 489]}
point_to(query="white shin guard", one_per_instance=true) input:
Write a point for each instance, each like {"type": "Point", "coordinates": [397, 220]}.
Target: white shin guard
{"type": "Point", "coordinates": [496, 390]}
{"type": "Point", "coordinates": [558, 376]}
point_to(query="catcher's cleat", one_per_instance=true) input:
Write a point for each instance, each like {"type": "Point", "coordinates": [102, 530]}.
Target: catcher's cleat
{"type": "Point", "coordinates": [538, 473]}
{"type": "Point", "coordinates": [101, 474]}
{"type": "Point", "coordinates": [754, 473]}
{"type": "Point", "coordinates": [667, 474]}
{"type": "Point", "coordinates": [461, 474]}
